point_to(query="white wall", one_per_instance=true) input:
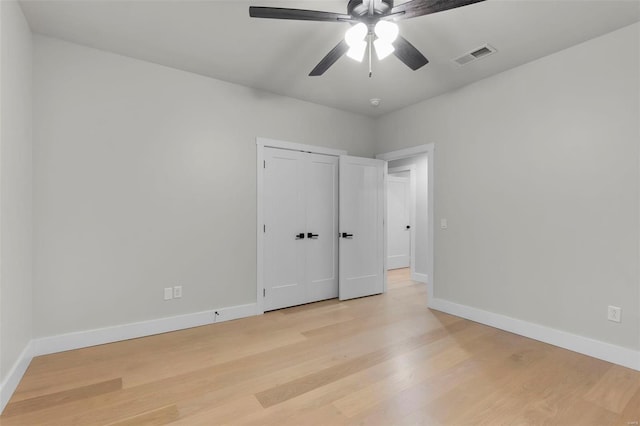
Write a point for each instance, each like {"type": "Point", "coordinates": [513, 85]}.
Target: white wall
{"type": "Point", "coordinates": [422, 217]}
{"type": "Point", "coordinates": [15, 189]}
{"type": "Point", "coordinates": [536, 170]}
{"type": "Point", "coordinates": [145, 178]}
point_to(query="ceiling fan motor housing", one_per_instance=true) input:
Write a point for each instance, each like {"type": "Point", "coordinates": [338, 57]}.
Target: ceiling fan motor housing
{"type": "Point", "coordinates": [359, 8]}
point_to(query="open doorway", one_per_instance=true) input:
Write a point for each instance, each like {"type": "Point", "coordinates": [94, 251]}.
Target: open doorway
{"type": "Point", "coordinates": [401, 213]}
{"type": "Point", "coordinates": [417, 167]}
{"type": "Point", "coordinates": [414, 165]}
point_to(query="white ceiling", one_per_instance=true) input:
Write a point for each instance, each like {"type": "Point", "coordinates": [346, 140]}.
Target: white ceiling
{"type": "Point", "coordinates": [218, 39]}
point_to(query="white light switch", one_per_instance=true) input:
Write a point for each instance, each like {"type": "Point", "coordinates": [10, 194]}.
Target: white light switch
{"type": "Point", "coordinates": [168, 293]}
{"type": "Point", "coordinates": [443, 224]}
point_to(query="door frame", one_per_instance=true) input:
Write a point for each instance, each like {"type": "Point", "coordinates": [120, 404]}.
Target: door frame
{"type": "Point", "coordinates": [261, 144]}
{"type": "Point", "coordinates": [429, 150]}
{"type": "Point", "coordinates": [411, 168]}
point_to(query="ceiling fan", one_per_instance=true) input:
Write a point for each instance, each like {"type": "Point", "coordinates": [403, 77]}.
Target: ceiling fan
{"type": "Point", "coordinates": [372, 27]}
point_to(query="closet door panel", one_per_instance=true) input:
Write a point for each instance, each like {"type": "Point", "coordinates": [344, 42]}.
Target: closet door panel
{"type": "Point", "coordinates": [284, 212]}
{"type": "Point", "coordinates": [361, 224]}
{"type": "Point", "coordinates": [321, 195]}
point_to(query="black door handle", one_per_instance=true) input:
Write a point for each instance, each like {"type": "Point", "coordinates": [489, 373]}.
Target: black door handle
{"type": "Point", "coordinates": [348, 236]}
{"type": "Point", "coordinates": [408, 227]}
{"type": "Point", "coordinates": [300, 236]}
{"type": "Point", "coordinates": [312, 236]}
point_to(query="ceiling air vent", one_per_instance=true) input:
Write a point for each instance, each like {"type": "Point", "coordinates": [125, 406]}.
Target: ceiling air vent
{"type": "Point", "coordinates": [475, 54]}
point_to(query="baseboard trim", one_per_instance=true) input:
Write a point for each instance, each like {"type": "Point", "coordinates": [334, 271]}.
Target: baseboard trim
{"type": "Point", "coordinates": [423, 278]}
{"type": "Point", "coordinates": [10, 383]}
{"type": "Point", "coordinates": [605, 351]}
{"type": "Point", "coordinates": [100, 336]}
{"type": "Point", "coordinates": [236, 312]}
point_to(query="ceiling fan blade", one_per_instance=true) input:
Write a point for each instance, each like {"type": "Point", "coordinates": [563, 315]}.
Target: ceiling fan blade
{"type": "Point", "coordinates": [331, 58]}
{"type": "Point", "coordinates": [297, 14]}
{"type": "Point", "coordinates": [414, 8]}
{"type": "Point", "coordinates": [408, 54]}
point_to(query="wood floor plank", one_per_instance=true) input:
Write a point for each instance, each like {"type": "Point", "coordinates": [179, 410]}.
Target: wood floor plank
{"type": "Point", "coordinates": [273, 373]}
{"type": "Point", "coordinates": [324, 415]}
{"type": "Point", "coordinates": [304, 384]}
{"type": "Point", "coordinates": [223, 414]}
{"type": "Point", "coordinates": [154, 367]}
{"type": "Point", "coordinates": [630, 416]}
{"type": "Point", "coordinates": [411, 402]}
{"type": "Point", "coordinates": [380, 360]}
{"type": "Point", "coordinates": [615, 389]}
{"type": "Point", "coordinates": [486, 386]}
{"type": "Point", "coordinates": [161, 416]}
{"type": "Point", "coordinates": [333, 391]}
{"type": "Point", "coordinates": [572, 411]}
{"type": "Point", "coordinates": [405, 378]}
{"type": "Point", "coordinates": [347, 385]}
{"type": "Point", "coordinates": [59, 398]}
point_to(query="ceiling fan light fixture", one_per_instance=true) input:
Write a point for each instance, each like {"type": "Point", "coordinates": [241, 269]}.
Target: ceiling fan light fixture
{"type": "Point", "coordinates": [383, 48]}
{"type": "Point", "coordinates": [356, 34]}
{"type": "Point", "coordinates": [387, 31]}
{"type": "Point", "coordinates": [355, 40]}
{"type": "Point", "coordinates": [372, 19]}
{"type": "Point", "coordinates": [357, 51]}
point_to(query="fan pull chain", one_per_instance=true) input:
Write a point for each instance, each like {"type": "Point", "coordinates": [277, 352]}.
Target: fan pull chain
{"type": "Point", "coordinates": [370, 37]}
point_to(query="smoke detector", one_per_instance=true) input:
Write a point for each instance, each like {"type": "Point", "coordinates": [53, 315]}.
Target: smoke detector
{"type": "Point", "coordinates": [375, 102]}
{"type": "Point", "coordinates": [480, 52]}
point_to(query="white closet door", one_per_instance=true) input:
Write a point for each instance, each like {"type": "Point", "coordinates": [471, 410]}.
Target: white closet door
{"type": "Point", "coordinates": [321, 172]}
{"type": "Point", "coordinates": [398, 223]}
{"type": "Point", "coordinates": [284, 211]}
{"type": "Point", "coordinates": [361, 226]}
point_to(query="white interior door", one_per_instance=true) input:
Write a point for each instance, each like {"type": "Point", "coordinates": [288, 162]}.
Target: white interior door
{"type": "Point", "coordinates": [301, 228]}
{"type": "Point", "coordinates": [321, 244]}
{"type": "Point", "coordinates": [361, 227]}
{"type": "Point", "coordinates": [398, 222]}
{"type": "Point", "coordinates": [284, 214]}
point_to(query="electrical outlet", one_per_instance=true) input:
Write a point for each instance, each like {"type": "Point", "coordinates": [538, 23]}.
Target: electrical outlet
{"type": "Point", "coordinates": [614, 313]}
{"type": "Point", "coordinates": [177, 292]}
{"type": "Point", "coordinates": [168, 293]}
{"type": "Point", "coordinates": [443, 224]}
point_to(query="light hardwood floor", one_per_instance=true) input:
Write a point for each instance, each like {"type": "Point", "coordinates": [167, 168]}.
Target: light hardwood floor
{"type": "Point", "coordinates": [381, 360]}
